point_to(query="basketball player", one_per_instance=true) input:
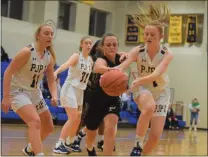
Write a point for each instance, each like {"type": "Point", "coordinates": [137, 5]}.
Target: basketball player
{"type": "Point", "coordinates": [93, 85]}
{"type": "Point", "coordinates": [103, 107]}
{"type": "Point", "coordinates": [80, 66]}
{"type": "Point", "coordinates": [21, 88]}
{"type": "Point", "coordinates": [94, 53]}
{"type": "Point", "coordinates": [150, 89]}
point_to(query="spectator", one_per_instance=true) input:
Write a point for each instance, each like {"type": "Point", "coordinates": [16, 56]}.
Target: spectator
{"type": "Point", "coordinates": [194, 109]}
{"type": "Point", "coordinates": [171, 120]}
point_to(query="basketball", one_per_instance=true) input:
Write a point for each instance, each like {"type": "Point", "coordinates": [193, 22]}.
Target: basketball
{"type": "Point", "coordinates": [114, 82]}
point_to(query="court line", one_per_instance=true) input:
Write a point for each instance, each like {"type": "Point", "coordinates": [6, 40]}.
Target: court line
{"type": "Point", "coordinates": [119, 138]}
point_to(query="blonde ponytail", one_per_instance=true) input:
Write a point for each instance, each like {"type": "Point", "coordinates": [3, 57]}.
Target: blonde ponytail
{"type": "Point", "coordinates": [52, 52]}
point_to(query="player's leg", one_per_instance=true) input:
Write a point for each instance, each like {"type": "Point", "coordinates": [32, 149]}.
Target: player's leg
{"type": "Point", "coordinates": [90, 139]}
{"type": "Point", "coordinates": [69, 101]}
{"type": "Point", "coordinates": [156, 129]}
{"type": "Point", "coordinates": [72, 134]}
{"type": "Point", "coordinates": [74, 117]}
{"type": "Point", "coordinates": [22, 104]}
{"type": "Point", "coordinates": [146, 104]}
{"type": "Point", "coordinates": [157, 122]}
{"type": "Point", "coordinates": [111, 121]}
{"type": "Point", "coordinates": [32, 119]}
{"type": "Point", "coordinates": [46, 121]}
{"type": "Point", "coordinates": [101, 136]}
{"type": "Point", "coordinates": [80, 131]}
{"type": "Point", "coordinates": [93, 119]}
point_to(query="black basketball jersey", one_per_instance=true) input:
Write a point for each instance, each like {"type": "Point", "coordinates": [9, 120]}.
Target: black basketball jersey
{"type": "Point", "coordinates": [93, 83]}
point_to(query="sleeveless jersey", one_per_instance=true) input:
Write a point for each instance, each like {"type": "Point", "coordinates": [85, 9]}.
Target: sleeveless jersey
{"type": "Point", "coordinates": [31, 74]}
{"type": "Point", "coordinates": [93, 83]}
{"type": "Point", "coordinates": [78, 75]}
{"type": "Point", "coordinates": [146, 67]}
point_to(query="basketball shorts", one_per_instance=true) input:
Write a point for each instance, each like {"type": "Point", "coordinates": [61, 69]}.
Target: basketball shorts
{"type": "Point", "coordinates": [71, 97]}
{"type": "Point", "coordinates": [21, 97]}
{"type": "Point", "coordinates": [98, 106]}
{"type": "Point", "coordinates": [162, 99]}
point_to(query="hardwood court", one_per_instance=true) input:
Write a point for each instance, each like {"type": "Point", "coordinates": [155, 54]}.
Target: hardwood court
{"type": "Point", "coordinates": [181, 142]}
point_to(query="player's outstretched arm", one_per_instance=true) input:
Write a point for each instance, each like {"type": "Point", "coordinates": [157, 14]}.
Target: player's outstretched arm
{"type": "Point", "coordinates": [101, 66]}
{"type": "Point", "coordinates": [132, 57]}
{"type": "Point", "coordinates": [71, 62]}
{"type": "Point", "coordinates": [51, 81]}
{"type": "Point", "coordinates": [160, 69]}
{"type": "Point", "coordinates": [17, 63]}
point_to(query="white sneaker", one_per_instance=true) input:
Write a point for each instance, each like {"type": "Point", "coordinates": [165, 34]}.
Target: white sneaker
{"type": "Point", "coordinates": [27, 152]}
{"type": "Point", "coordinates": [195, 129]}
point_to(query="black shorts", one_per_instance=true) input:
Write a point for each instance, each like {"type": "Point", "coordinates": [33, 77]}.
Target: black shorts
{"type": "Point", "coordinates": [98, 106]}
{"type": "Point", "coordinates": [84, 108]}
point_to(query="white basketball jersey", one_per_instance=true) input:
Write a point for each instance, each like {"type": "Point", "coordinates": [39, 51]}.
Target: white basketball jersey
{"type": "Point", "coordinates": [146, 67]}
{"type": "Point", "coordinates": [78, 75]}
{"type": "Point", "coordinates": [30, 75]}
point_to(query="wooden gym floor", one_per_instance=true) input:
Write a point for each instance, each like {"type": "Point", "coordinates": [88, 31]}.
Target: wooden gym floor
{"type": "Point", "coordinates": [180, 142]}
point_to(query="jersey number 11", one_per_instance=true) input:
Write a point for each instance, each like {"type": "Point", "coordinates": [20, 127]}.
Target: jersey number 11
{"type": "Point", "coordinates": [35, 81]}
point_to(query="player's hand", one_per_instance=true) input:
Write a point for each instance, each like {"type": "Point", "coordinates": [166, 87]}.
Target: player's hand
{"type": "Point", "coordinates": [55, 75]}
{"type": "Point", "coordinates": [6, 104]}
{"type": "Point", "coordinates": [123, 56]}
{"type": "Point", "coordinates": [135, 84]}
{"type": "Point", "coordinates": [54, 101]}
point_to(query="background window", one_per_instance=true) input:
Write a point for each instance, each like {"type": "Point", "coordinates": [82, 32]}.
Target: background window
{"type": "Point", "coordinates": [97, 22]}
{"type": "Point", "coordinates": [66, 17]}
{"type": "Point", "coordinates": [12, 9]}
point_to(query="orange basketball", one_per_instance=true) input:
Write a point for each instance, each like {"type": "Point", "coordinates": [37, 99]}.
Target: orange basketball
{"type": "Point", "coordinates": [114, 82]}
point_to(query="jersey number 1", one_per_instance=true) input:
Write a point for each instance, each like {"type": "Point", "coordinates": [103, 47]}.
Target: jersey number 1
{"type": "Point", "coordinates": [84, 77]}
{"type": "Point", "coordinates": [35, 81]}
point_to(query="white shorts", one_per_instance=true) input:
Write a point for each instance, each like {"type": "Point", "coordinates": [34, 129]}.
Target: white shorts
{"type": "Point", "coordinates": [162, 99]}
{"type": "Point", "coordinates": [21, 97]}
{"type": "Point", "coordinates": [71, 97]}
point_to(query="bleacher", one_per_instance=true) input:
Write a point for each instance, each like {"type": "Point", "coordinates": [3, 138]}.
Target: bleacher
{"type": "Point", "coordinates": [58, 113]}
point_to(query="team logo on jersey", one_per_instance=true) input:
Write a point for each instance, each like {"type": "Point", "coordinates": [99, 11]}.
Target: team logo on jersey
{"type": "Point", "coordinates": [147, 69]}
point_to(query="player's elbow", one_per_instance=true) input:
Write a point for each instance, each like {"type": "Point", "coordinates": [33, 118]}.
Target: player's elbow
{"type": "Point", "coordinates": [97, 68]}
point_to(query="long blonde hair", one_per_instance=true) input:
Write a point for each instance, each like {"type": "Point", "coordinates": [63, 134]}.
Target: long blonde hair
{"type": "Point", "coordinates": [157, 15]}
{"type": "Point", "coordinates": [49, 48]}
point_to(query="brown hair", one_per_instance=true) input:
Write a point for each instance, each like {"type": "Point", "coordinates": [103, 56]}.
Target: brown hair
{"type": "Point", "coordinates": [104, 36]}
{"type": "Point", "coordinates": [103, 40]}
{"type": "Point", "coordinates": [49, 48]}
{"type": "Point", "coordinates": [156, 15]}
{"type": "Point", "coordinates": [81, 41]}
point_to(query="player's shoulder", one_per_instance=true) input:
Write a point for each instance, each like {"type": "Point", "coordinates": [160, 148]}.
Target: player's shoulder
{"type": "Point", "coordinates": [141, 48]}
{"type": "Point", "coordinates": [165, 50]}
{"type": "Point", "coordinates": [138, 49]}
{"type": "Point", "coordinates": [25, 51]}
{"type": "Point", "coordinates": [75, 56]}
